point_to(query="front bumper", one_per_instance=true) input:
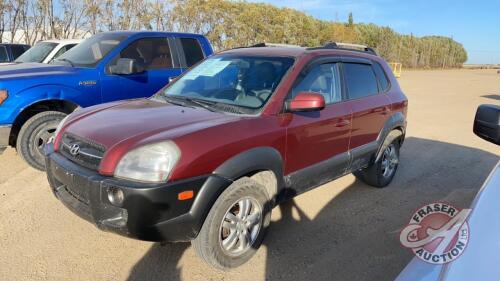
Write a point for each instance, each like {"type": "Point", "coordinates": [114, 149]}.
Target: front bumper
{"type": "Point", "coordinates": [4, 137]}
{"type": "Point", "coordinates": [149, 212]}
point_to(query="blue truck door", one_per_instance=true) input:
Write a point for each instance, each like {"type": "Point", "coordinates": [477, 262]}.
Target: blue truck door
{"type": "Point", "coordinates": [160, 59]}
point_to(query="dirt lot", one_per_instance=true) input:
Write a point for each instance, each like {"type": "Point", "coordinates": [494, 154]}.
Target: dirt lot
{"type": "Point", "coordinates": [343, 230]}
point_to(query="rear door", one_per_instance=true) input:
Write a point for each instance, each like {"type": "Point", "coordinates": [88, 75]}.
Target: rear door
{"type": "Point", "coordinates": [370, 108]}
{"type": "Point", "coordinates": [317, 142]}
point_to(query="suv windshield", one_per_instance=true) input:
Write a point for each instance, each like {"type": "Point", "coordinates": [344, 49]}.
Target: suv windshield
{"type": "Point", "coordinates": [91, 51]}
{"type": "Point", "coordinates": [239, 81]}
{"type": "Point", "coordinates": [37, 53]}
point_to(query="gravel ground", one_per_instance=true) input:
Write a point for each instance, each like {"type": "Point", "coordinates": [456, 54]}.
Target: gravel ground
{"type": "Point", "coordinates": [343, 230]}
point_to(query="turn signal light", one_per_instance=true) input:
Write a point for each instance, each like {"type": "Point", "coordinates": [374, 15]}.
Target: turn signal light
{"type": "Point", "coordinates": [3, 96]}
{"type": "Point", "coordinates": [185, 195]}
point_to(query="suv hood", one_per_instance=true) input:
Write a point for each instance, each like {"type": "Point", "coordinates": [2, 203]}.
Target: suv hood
{"type": "Point", "coordinates": [31, 70]}
{"type": "Point", "coordinates": [136, 122]}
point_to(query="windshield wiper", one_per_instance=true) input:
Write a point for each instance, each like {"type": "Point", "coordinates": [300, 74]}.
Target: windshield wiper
{"type": "Point", "coordinates": [68, 61]}
{"type": "Point", "coordinates": [176, 101]}
{"type": "Point", "coordinates": [205, 104]}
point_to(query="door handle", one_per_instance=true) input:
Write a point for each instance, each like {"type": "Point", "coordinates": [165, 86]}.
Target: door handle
{"type": "Point", "coordinates": [384, 110]}
{"type": "Point", "coordinates": [342, 123]}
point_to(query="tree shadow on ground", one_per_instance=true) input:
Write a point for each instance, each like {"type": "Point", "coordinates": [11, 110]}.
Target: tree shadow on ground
{"type": "Point", "coordinates": [355, 236]}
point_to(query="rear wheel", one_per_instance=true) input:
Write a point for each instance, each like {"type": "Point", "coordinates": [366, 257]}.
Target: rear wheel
{"type": "Point", "coordinates": [381, 173]}
{"type": "Point", "coordinates": [235, 226]}
{"type": "Point", "coordinates": [34, 134]}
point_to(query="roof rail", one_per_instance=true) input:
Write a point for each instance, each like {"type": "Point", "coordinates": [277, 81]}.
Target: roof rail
{"type": "Point", "coordinates": [347, 46]}
{"type": "Point", "coordinates": [264, 44]}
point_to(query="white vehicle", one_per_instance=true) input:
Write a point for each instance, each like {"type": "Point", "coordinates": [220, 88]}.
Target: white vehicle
{"type": "Point", "coordinates": [480, 259]}
{"type": "Point", "coordinates": [46, 51]}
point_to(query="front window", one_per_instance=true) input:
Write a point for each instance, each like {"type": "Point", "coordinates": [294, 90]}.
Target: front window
{"type": "Point", "coordinates": [37, 53]}
{"type": "Point", "coordinates": [91, 51]}
{"type": "Point", "coordinates": [228, 82]}
{"type": "Point", "coordinates": [150, 53]}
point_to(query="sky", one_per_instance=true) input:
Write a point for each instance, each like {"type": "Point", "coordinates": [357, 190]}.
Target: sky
{"type": "Point", "coordinates": [475, 24]}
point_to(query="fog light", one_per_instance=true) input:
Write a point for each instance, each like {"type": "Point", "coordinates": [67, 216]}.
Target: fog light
{"type": "Point", "coordinates": [115, 196]}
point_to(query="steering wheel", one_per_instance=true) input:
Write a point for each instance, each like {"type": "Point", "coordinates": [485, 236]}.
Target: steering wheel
{"type": "Point", "coordinates": [192, 94]}
{"type": "Point", "coordinates": [258, 95]}
{"type": "Point", "coordinates": [228, 94]}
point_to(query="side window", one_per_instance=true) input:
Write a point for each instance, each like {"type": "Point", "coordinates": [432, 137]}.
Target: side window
{"type": "Point", "coordinates": [360, 80]}
{"type": "Point", "coordinates": [17, 50]}
{"type": "Point", "coordinates": [4, 56]}
{"type": "Point", "coordinates": [192, 51]}
{"type": "Point", "coordinates": [63, 50]}
{"type": "Point", "coordinates": [381, 76]}
{"type": "Point", "coordinates": [322, 79]}
{"type": "Point", "coordinates": [152, 53]}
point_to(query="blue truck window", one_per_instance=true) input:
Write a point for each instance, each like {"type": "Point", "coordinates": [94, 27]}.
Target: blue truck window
{"type": "Point", "coordinates": [91, 51]}
{"type": "Point", "coordinates": [151, 53]}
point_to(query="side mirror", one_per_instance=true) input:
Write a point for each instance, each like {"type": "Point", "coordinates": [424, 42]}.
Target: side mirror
{"type": "Point", "coordinates": [306, 101]}
{"type": "Point", "coordinates": [487, 123]}
{"type": "Point", "coordinates": [125, 66]}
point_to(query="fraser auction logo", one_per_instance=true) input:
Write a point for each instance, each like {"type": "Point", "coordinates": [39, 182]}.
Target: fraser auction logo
{"type": "Point", "coordinates": [437, 233]}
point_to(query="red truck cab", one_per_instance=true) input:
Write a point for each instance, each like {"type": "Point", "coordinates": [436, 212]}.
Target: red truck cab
{"type": "Point", "coordinates": [208, 156]}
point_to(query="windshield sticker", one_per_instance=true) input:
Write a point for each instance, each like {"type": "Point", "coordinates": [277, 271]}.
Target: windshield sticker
{"type": "Point", "coordinates": [209, 68]}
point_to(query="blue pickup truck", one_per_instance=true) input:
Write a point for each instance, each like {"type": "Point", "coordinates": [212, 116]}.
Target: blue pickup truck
{"type": "Point", "coordinates": [109, 66]}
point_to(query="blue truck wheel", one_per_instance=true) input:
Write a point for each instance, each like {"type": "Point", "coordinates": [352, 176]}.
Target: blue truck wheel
{"type": "Point", "coordinates": [34, 135]}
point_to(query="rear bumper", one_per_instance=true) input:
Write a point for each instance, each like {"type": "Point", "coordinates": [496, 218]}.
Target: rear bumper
{"type": "Point", "coordinates": [4, 137]}
{"type": "Point", "coordinates": [149, 212]}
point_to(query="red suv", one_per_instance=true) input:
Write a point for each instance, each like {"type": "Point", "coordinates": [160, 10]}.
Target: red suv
{"type": "Point", "coordinates": [208, 156]}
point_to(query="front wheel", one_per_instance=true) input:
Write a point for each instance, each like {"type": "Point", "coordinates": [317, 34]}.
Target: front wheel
{"type": "Point", "coordinates": [381, 173]}
{"type": "Point", "coordinates": [235, 226]}
{"type": "Point", "coordinates": [34, 135]}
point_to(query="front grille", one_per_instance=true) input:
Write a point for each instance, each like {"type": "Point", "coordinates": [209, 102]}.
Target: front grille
{"type": "Point", "coordinates": [89, 154]}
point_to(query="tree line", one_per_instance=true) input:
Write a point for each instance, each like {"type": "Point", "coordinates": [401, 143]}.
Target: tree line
{"type": "Point", "coordinates": [227, 24]}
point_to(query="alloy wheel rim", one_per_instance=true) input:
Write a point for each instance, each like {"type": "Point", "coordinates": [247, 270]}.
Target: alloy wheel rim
{"type": "Point", "coordinates": [389, 161]}
{"type": "Point", "coordinates": [42, 136]}
{"type": "Point", "coordinates": [240, 226]}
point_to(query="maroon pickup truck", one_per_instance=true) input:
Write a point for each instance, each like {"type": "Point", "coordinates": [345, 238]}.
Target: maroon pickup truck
{"type": "Point", "coordinates": [208, 156]}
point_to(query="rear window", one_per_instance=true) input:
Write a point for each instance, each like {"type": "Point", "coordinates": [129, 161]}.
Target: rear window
{"type": "Point", "coordinates": [360, 79]}
{"type": "Point", "coordinates": [381, 76]}
{"type": "Point", "coordinates": [192, 51]}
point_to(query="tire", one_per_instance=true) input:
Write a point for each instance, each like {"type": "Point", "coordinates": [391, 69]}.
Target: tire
{"type": "Point", "coordinates": [209, 244]}
{"type": "Point", "coordinates": [379, 174]}
{"type": "Point", "coordinates": [34, 134]}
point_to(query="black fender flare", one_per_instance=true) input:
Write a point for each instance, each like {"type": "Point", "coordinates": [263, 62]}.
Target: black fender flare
{"type": "Point", "coordinates": [394, 127]}
{"type": "Point", "coordinates": [255, 159]}
{"type": "Point", "coordinates": [242, 164]}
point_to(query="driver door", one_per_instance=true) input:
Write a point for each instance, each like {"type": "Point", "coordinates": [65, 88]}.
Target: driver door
{"type": "Point", "coordinates": [155, 55]}
{"type": "Point", "coordinates": [318, 141]}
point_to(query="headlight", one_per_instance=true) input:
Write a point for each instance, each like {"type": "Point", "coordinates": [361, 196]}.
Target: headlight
{"type": "Point", "coordinates": [149, 163]}
{"type": "Point", "coordinates": [59, 127]}
{"type": "Point", "coordinates": [3, 96]}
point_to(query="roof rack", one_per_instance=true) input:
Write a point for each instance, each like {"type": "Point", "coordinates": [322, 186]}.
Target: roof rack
{"type": "Point", "coordinates": [346, 46]}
